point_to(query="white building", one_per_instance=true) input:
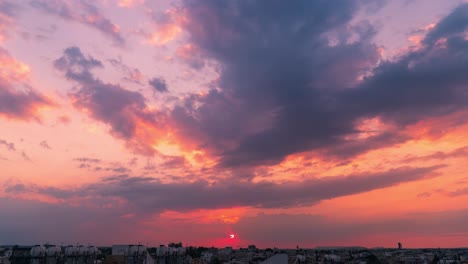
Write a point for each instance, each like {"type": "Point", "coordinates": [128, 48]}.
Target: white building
{"type": "Point", "coordinates": [136, 254]}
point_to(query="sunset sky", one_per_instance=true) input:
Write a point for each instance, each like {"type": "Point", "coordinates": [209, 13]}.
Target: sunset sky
{"type": "Point", "coordinates": [310, 123]}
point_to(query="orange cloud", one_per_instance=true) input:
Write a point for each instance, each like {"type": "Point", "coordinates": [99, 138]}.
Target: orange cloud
{"type": "Point", "coordinates": [225, 216]}
{"type": "Point", "coordinates": [170, 29]}
{"type": "Point", "coordinates": [6, 23]}
{"type": "Point", "coordinates": [186, 51]}
{"type": "Point", "coordinates": [17, 100]}
{"type": "Point", "coordinates": [165, 34]}
{"type": "Point", "coordinates": [12, 70]}
{"type": "Point", "coordinates": [129, 3]}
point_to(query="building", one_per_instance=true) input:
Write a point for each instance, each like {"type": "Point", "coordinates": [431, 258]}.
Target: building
{"type": "Point", "coordinates": [131, 254]}
{"type": "Point", "coordinates": [277, 259]}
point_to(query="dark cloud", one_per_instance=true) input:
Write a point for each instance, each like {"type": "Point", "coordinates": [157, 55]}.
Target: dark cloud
{"type": "Point", "coordinates": [291, 229]}
{"type": "Point", "coordinates": [440, 155]}
{"type": "Point", "coordinates": [76, 65]}
{"type": "Point", "coordinates": [149, 165]}
{"type": "Point", "coordinates": [292, 79]}
{"type": "Point", "coordinates": [8, 145]}
{"type": "Point", "coordinates": [84, 166]}
{"type": "Point", "coordinates": [20, 105]}
{"type": "Point", "coordinates": [25, 156]}
{"type": "Point", "coordinates": [62, 223]}
{"type": "Point", "coordinates": [9, 8]}
{"type": "Point", "coordinates": [44, 144]}
{"type": "Point", "coordinates": [112, 169]}
{"type": "Point", "coordinates": [174, 162]}
{"type": "Point", "coordinates": [424, 195]}
{"type": "Point", "coordinates": [99, 165]}
{"type": "Point", "coordinates": [124, 111]}
{"type": "Point", "coordinates": [51, 191]}
{"type": "Point", "coordinates": [453, 24]}
{"type": "Point", "coordinates": [159, 84]}
{"type": "Point", "coordinates": [71, 224]}
{"type": "Point", "coordinates": [114, 105]}
{"type": "Point", "coordinates": [151, 195]}
{"type": "Point", "coordinates": [87, 160]}
{"type": "Point", "coordinates": [278, 77]}
{"type": "Point", "coordinates": [16, 188]}
{"type": "Point", "coordinates": [455, 193]}
{"type": "Point", "coordinates": [83, 12]}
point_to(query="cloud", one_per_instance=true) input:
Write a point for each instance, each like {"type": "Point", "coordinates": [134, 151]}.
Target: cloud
{"type": "Point", "coordinates": [77, 223]}
{"type": "Point", "coordinates": [25, 156]}
{"type": "Point", "coordinates": [150, 195]}
{"type": "Point", "coordinates": [129, 3]}
{"type": "Point", "coordinates": [63, 119]}
{"type": "Point", "coordinates": [44, 144]}
{"type": "Point", "coordinates": [8, 145]}
{"type": "Point", "coordinates": [275, 91]}
{"type": "Point", "coordinates": [168, 26]}
{"type": "Point", "coordinates": [454, 193]}
{"type": "Point", "coordinates": [97, 225]}
{"type": "Point", "coordinates": [124, 111]}
{"type": "Point", "coordinates": [103, 202]}
{"type": "Point", "coordinates": [118, 169]}
{"type": "Point", "coordinates": [83, 12]}
{"type": "Point", "coordinates": [190, 55]}
{"type": "Point", "coordinates": [132, 74]}
{"type": "Point", "coordinates": [440, 155]}
{"type": "Point", "coordinates": [315, 228]}
{"type": "Point", "coordinates": [158, 84]}
{"type": "Point", "coordinates": [87, 160]}
{"type": "Point", "coordinates": [8, 11]}
{"type": "Point", "coordinates": [17, 99]}
{"type": "Point", "coordinates": [87, 163]}
{"type": "Point", "coordinates": [452, 25]}
{"type": "Point", "coordinates": [304, 81]}
{"type": "Point", "coordinates": [20, 105]}
{"type": "Point", "coordinates": [174, 162]}
{"type": "Point", "coordinates": [77, 66]}
{"type": "Point", "coordinates": [424, 195]}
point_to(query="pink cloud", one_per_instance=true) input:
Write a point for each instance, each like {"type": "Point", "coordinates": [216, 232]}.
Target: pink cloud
{"type": "Point", "coordinates": [6, 20]}
{"type": "Point", "coordinates": [17, 99]}
{"type": "Point", "coordinates": [169, 26]}
{"type": "Point", "coordinates": [130, 3]}
{"type": "Point", "coordinates": [82, 12]}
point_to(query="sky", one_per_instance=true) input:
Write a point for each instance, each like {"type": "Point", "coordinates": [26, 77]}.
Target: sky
{"type": "Point", "coordinates": [310, 123]}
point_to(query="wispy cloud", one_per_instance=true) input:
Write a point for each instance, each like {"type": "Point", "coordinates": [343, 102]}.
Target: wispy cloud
{"type": "Point", "coordinates": [125, 111]}
{"type": "Point", "coordinates": [151, 195]}
{"type": "Point", "coordinates": [8, 12]}
{"type": "Point", "coordinates": [44, 144]}
{"type": "Point", "coordinates": [8, 145]}
{"type": "Point", "coordinates": [83, 12]}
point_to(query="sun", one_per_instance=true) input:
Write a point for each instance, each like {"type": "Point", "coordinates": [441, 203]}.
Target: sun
{"type": "Point", "coordinates": [232, 236]}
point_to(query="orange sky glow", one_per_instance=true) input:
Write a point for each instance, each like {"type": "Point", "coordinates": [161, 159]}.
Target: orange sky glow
{"type": "Point", "coordinates": [233, 124]}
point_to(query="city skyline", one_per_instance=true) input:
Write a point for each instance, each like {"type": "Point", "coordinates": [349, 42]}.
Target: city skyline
{"type": "Point", "coordinates": [232, 123]}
